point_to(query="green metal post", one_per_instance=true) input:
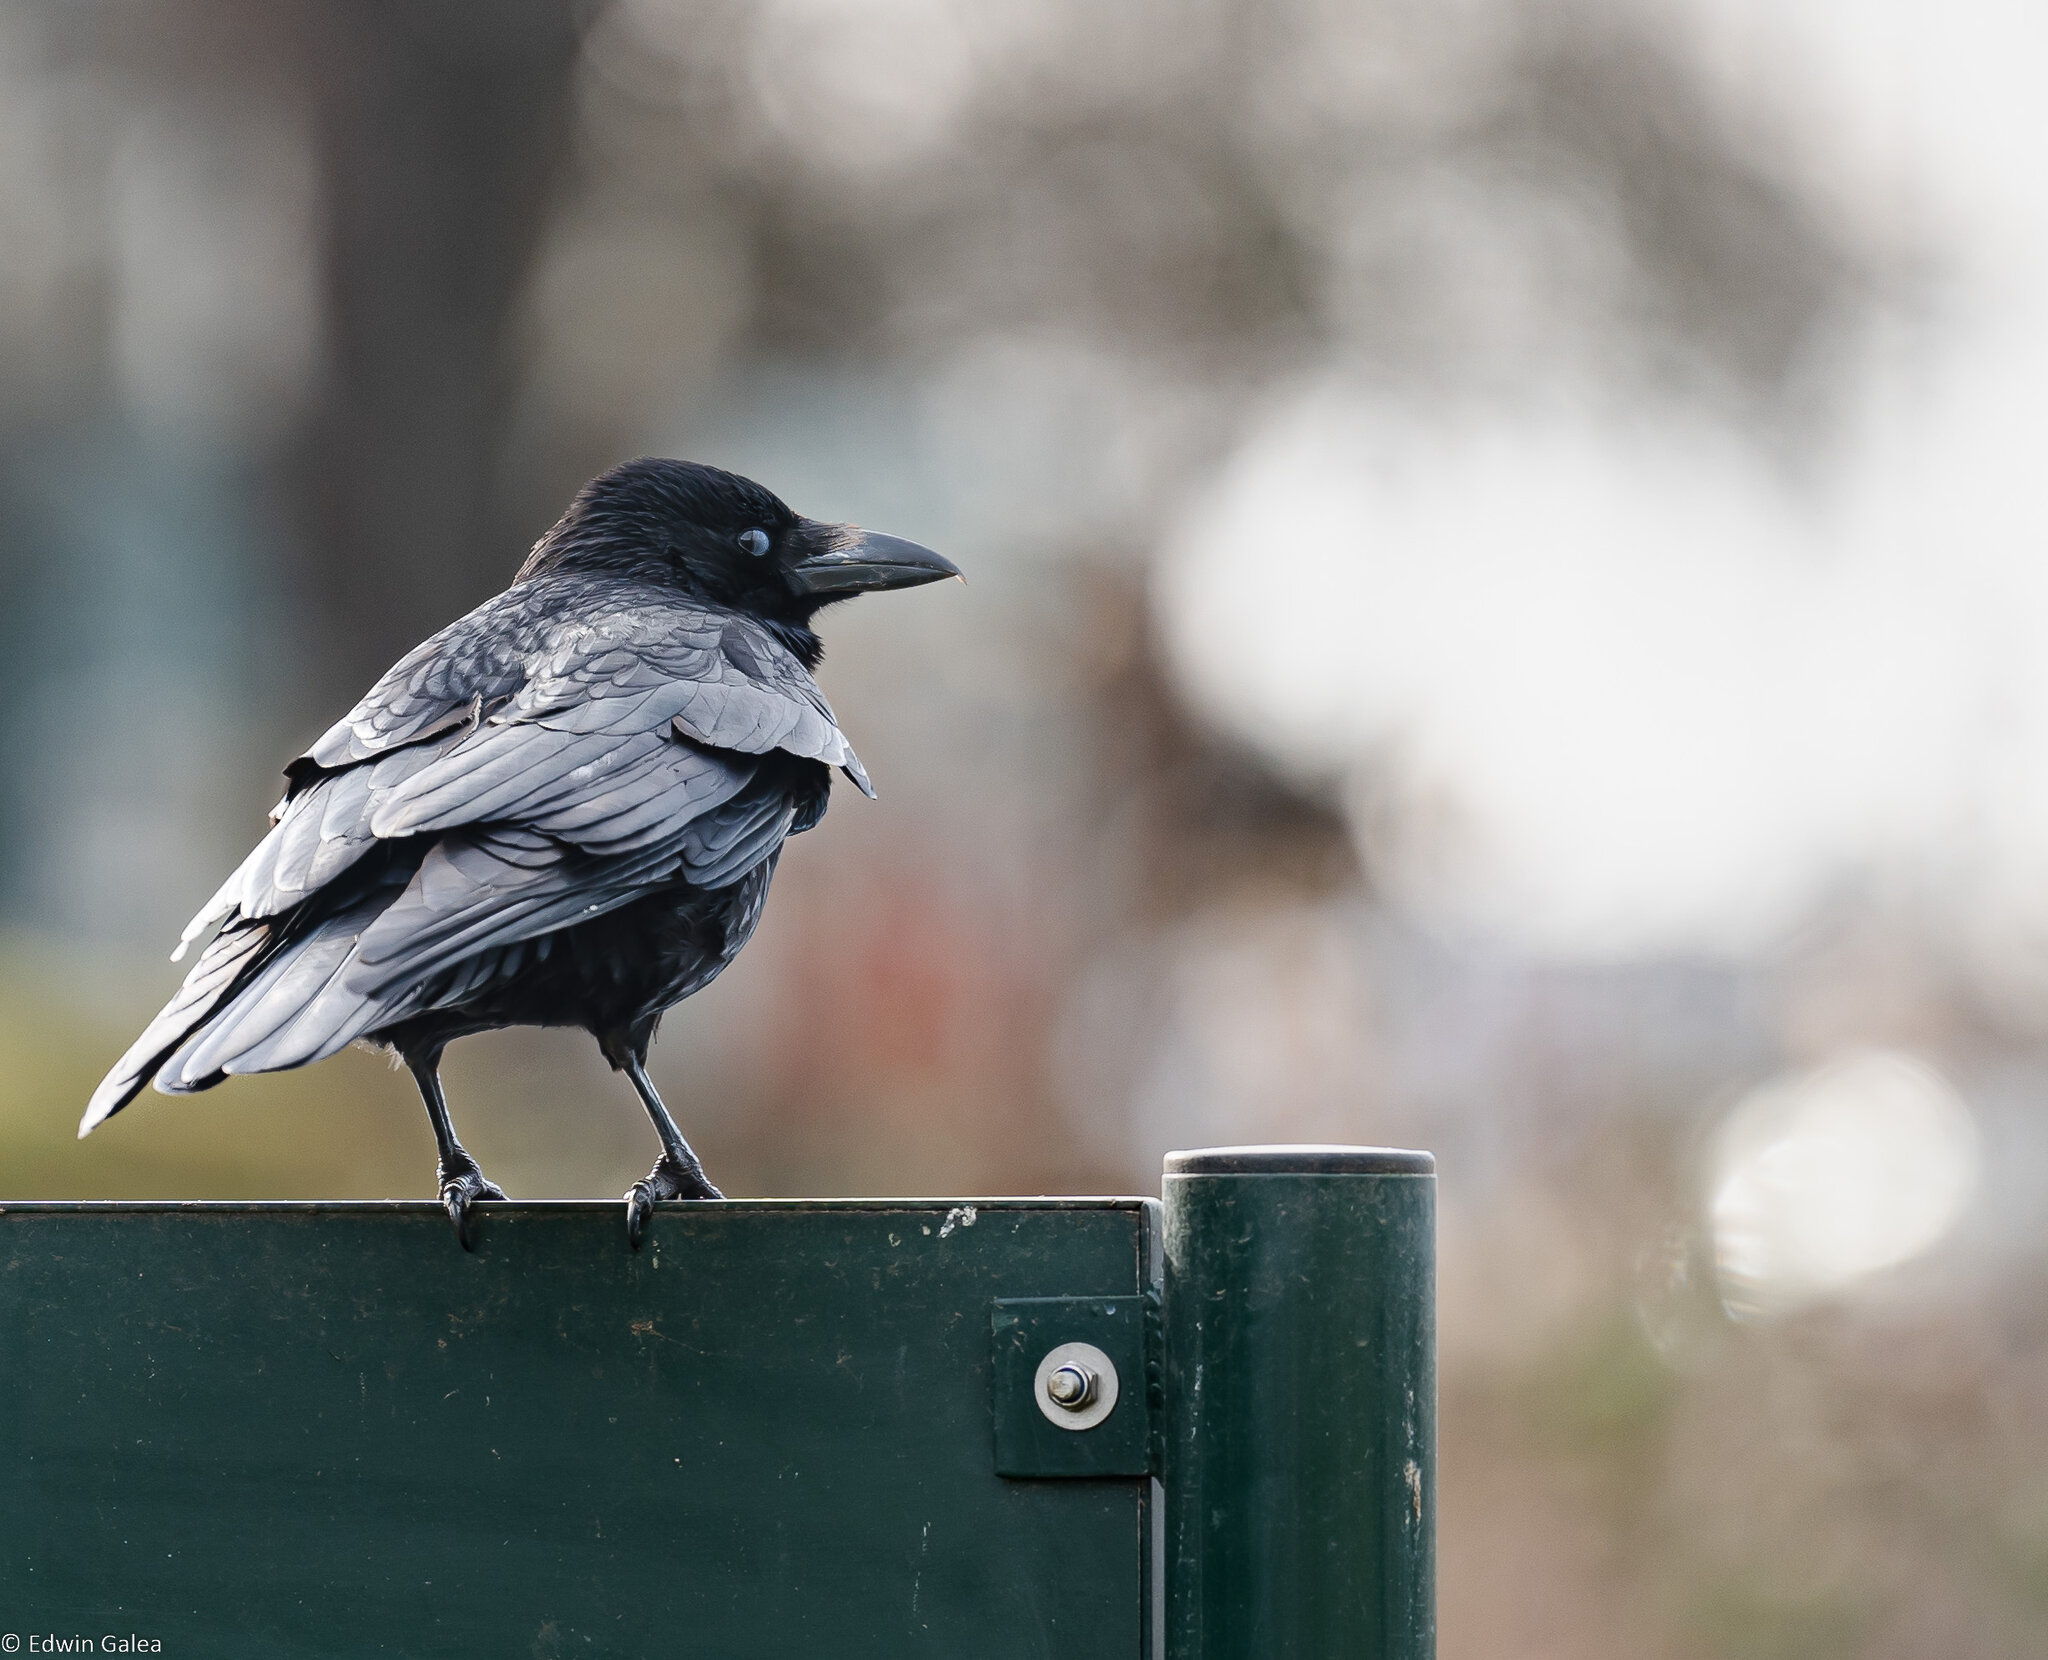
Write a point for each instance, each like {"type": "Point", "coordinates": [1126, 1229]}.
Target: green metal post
{"type": "Point", "coordinates": [1300, 1392]}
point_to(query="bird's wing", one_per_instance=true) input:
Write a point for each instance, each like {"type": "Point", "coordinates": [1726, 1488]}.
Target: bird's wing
{"type": "Point", "coordinates": [477, 891]}
{"type": "Point", "coordinates": [481, 897]}
{"type": "Point", "coordinates": [599, 794]}
{"type": "Point", "coordinates": [587, 657]}
{"type": "Point", "coordinates": [579, 740]}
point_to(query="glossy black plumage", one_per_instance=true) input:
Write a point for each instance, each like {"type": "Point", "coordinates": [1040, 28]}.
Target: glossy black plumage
{"type": "Point", "coordinates": [563, 809]}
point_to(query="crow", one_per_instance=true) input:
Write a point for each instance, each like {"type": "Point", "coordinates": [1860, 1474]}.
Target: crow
{"type": "Point", "coordinates": [564, 809]}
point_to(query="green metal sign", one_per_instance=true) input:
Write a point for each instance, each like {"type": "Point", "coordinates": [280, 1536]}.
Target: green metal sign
{"type": "Point", "coordinates": [809, 1428]}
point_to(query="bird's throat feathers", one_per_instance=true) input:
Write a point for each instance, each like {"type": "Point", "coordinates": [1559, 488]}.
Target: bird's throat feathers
{"type": "Point", "coordinates": [803, 641]}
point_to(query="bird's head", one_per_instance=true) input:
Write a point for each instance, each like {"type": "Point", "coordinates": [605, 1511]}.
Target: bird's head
{"type": "Point", "coordinates": [716, 536]}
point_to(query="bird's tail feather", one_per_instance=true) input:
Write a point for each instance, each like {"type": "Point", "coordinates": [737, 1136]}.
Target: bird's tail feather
{"type": "Point", "coordinates": [294, 1009]}
{"type": "Point", "coordinates": [223, 967]}
{"type": "Point", "coordinates": [266, 995]}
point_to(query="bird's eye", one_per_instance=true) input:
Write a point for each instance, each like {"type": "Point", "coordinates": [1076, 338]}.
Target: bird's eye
{"type": "Point", "coordinates": [755, 541]}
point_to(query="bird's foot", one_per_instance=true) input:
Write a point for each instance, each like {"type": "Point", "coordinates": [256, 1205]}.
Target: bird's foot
{"type": "Point", "coordinates": [461, 1185]}
{"type": "Point", "coordinates": [667, 1180]}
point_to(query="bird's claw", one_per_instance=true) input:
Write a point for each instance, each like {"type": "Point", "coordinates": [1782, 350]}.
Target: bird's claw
{"type": "Point", "coordinates": [639, 1206]}
{"type": "Point", "coordinates": [667, 1180]}
{"type": "Point", "coordinates": [461, 1188]}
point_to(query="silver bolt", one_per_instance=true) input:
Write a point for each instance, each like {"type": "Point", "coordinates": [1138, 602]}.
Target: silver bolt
{"type": "Point", "coordinates": [1071, 1386]}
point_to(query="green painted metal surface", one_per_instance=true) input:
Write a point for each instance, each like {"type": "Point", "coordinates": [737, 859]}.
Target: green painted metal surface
{"type": "Point", "coordinates": [1300, 1389]}
{"type": "Point", "coordinates": [325, 1430]}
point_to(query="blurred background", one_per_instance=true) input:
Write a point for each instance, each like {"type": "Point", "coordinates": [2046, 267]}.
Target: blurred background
{"type": "Point", "coordinates": [1508, 615]}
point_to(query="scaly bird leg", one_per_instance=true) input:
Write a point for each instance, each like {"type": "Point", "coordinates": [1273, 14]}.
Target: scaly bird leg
{"type": "Point", "coordinates": [677, 1174]}
{"type": "Point", "coordinates": [462, 1179]}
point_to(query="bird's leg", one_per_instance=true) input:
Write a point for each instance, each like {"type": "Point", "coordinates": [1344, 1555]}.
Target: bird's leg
{"type": "Point", "coordinates": [462, 1179]}
{"type": "Point", "coordinates": [677, 1174]}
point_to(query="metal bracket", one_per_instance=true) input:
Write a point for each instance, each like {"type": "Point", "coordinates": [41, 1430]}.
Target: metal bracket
{"type": "Point", "coordinates": [1072, 1384]}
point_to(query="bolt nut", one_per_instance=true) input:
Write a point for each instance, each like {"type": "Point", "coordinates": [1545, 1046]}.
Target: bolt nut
{"type": "Point", "coordinates": [1071, 1386]}
{"type": "Point", "coordinates": [1076, 1386]}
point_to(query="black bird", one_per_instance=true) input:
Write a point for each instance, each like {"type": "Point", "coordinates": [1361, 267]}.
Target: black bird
{"type": "Point", "coordinates": [562, 810]}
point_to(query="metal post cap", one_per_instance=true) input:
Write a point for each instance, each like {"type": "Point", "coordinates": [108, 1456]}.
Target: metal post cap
{"type": "Point", "coordinates": [1311, 1160]}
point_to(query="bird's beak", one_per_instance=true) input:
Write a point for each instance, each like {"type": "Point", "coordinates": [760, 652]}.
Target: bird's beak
{"type": "Point", "coordinates": [855, 561]}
